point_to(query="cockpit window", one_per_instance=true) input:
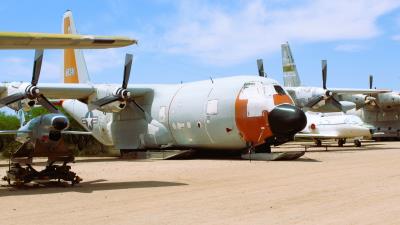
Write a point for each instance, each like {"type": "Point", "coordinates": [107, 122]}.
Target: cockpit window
{"type": "Point", "coordinates": [279, 90]}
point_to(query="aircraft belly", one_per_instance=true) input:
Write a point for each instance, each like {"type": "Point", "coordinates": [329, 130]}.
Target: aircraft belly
{"type": "Point", "coordinates": [350, 131]}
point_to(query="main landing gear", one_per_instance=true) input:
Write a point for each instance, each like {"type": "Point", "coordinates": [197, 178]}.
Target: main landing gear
{"type": "Point", "coordinates": [19, 175]}
{"type": "Point", "coordinates": [341, 142]}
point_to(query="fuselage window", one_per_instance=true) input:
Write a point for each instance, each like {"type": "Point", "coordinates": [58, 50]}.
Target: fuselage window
{"type": "Point", "coordinates": [212, 107]}
{"type": "Point", "coordinates": [279, 90]}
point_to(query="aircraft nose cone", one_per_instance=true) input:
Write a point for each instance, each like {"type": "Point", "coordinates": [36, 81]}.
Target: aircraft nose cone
{"type": "Point", "coordinates": [286, 120]}
{"type": "Point", "coordinates": [60, 123]}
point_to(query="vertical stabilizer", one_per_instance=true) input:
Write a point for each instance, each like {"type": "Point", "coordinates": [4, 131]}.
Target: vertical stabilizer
{"type": "Point", "coordinates": [290, 76]}
{"type": "Point", "coordinates": [74, 67]}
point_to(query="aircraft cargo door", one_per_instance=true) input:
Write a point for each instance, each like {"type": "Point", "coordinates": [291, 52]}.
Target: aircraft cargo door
{"type": "Point", "coordinates": [187, 115]}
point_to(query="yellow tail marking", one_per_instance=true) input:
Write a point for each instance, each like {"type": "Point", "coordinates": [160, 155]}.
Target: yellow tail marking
{"type": "Point", "coordinates": [70, 68]}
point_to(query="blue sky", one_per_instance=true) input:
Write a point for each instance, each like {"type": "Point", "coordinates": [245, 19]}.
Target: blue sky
{"type": "Point", "coordinates": [193, 40]}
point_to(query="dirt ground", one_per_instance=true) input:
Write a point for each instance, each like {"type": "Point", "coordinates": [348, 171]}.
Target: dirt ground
{"type": "Point", "coordinates": [339, 186]}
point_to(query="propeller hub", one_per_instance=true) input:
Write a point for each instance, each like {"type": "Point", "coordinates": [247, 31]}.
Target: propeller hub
{"type": "Point", "coordinates": [32, 91]}
{"type": "Point", "coordinates": [328, 93]}
{"type": "Point", "coordinates": [122, 93]}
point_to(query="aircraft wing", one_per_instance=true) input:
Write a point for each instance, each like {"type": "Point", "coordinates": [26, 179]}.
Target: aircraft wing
{"type": "Point", "coordinates": [351, 91]}
{"type": "Point", "coordinates": [76, 132]}
{"type": "Point", "coordinates": [26, 40]}
{"type": "Point", "coordinates": [66, 91]}
{"type": "Point", "coordinates": [73, 91]}
{"type": "Point", "coordinates": [320, 136]}
{"type": "Point", "coordinates": [4, 132]}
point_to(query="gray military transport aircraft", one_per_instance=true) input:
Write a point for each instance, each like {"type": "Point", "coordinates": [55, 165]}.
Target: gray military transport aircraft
{"type": "Point", "coordinates": [383, 113]}
{"type": "Point", "coordinates": [322, 99]}
{"type": "Point", "coordinates": [233, 113]}
{"type": "Point", "coordinates": [242, 113]}
{"type": "Point", "coordinates": [379, 108]}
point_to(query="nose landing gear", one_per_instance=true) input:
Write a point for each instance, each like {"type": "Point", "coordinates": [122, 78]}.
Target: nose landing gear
{"type": "Point", "coordinates": [263, 153]}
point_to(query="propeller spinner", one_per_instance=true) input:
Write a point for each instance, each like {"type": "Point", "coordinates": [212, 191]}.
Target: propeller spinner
{"type": "Point", "coordinates": [120, 94]}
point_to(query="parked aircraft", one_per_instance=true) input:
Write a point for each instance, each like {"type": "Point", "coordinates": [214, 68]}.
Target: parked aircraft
{"type": "Point", "coordinates": [383, 113]}
{"type": "Point", "coordinates": [380, 109]}
{"type": "Point", "coordinates": [338, 126]}
{"type": "Point", "coordinates": [322, 99]}
{"type": "Point", "coordinates": [40, 137]}
{"type": "Point", "coordinates": [240, 112]}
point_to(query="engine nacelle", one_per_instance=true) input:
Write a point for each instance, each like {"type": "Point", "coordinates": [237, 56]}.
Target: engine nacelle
{"type": "Point", "coordinates": [113, 107]}
{"type": "Point", "coordinates": [347, 105]}
{"type": "Point", "coordinates": [388, 100]}
{"type": "Point", "coordinates": [26, 105]}
{"type": "Point", "coordinates": [358, 99]}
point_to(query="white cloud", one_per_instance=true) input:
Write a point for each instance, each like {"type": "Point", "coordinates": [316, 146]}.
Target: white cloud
{"type": "Point", "coordinates": [349, 48]}
{"type": "Point", "coordinates": [221, 36]}
{"type": "Point", "coordinates": [19, 68]}
{"type": "Point", "coordinates": [99, 60]}
{"type": "Point", "coordinates": [396, 37]}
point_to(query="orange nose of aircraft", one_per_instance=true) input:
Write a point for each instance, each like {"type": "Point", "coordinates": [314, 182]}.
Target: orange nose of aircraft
{"type": "Point", "coordinates": [286, 120]}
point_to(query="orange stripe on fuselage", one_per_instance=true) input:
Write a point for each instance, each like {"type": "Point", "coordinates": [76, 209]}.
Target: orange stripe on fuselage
{"type": "Point", "coordinates": [252, 129]}
{"type": "Point", "coordinates": [281, 99]}
{"type": "Point", "coordinates": [70, 68]}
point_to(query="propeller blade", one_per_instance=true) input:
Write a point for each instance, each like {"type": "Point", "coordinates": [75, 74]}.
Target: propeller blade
{"type": "Point", "coordinates": [134, 105]}
{"type": "Point", "coordinates": [47, 104]}
{"type": "Point", "coordinates": [127, 70]}
{"type": "Point", "coordinates": [314, 101]}
{"type": "Point", "coordinates": [335, 103]}
{"type": "Point", "coordinates": [260, 66]}
{"type": "Point", "coordinates": [37, 65]}
{"type": "Point", "coordinates": [324, 73]}
{"type": "Point", "coordinates": [104, 101]}
{"type": "Point", "coordinates": [371, 80]}
{"type": "Point", "coordinates": [11, 99]}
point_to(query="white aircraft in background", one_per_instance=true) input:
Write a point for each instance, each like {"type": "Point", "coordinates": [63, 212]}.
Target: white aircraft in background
{"type": "Point", "coordinates": [322, 99]}
{"type": "Point", "coordinates": [232, 113]}
{"type": "Point", "coordinates": [338, 126]}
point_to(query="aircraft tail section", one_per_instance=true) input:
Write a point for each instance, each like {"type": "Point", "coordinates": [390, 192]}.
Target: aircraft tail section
{"type": "Point", "coordinates": [290, 75]}
{"type": "Point", "coordinates": [74, 66]}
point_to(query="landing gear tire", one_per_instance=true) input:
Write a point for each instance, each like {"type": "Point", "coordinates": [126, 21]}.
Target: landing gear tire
{"type": "Point", "coordinates": [357, 143]}
{"type": "Point", "coordinates": [341, 142]}
{"type": "Point", "coordinates": [318, 143]}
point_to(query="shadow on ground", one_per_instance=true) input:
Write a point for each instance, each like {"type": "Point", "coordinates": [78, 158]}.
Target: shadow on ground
{"type": "Point", "coordinates": [84, 187]}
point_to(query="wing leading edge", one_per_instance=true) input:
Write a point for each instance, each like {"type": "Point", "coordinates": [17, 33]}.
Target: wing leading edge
{"type": "Point", "coordinates": [27, 40]}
